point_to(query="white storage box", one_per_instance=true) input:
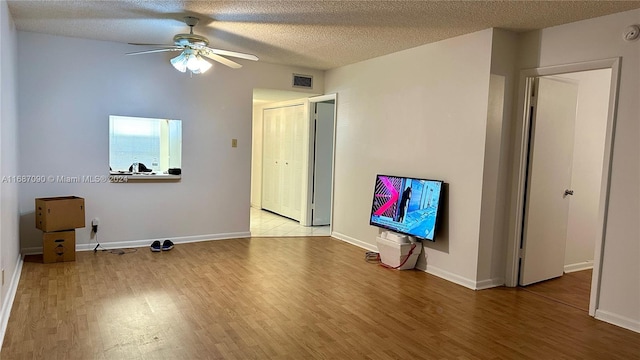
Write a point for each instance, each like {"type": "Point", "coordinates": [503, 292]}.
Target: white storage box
{"type": "Point", "coordinates": [393, 253]}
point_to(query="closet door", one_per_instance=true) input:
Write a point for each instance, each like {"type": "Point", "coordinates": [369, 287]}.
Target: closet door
{"type": "Point", "coordinates": [282, 160]}
{"type": "Point", "coordinates": [271, 153]}
{"type": "Point", "coordinates": [292, 161]}
{"type": "Point", "coordinates": [287, 149]}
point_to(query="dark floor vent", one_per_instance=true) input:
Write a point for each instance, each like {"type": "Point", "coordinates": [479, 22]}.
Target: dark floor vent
{"type": "Point", "coordinates": [303, 81]}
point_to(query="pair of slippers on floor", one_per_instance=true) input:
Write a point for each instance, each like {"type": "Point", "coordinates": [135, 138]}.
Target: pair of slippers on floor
{"type": "Point", "coordinates": [166, 246]}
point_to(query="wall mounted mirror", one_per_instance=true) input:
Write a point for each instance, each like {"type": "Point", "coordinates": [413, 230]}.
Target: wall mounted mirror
{"type": "Point", "coordinates": [154, 144]}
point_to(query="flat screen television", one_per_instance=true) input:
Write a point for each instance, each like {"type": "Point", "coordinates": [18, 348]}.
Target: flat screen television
{"type": "Point", "coordinates": [406, 205]}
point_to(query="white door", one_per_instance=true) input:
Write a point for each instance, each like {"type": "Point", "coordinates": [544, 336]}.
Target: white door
{"type": "Point", "coordinates": [282, 160]}
{"type": "Point", "coordinates": [550, 163]}
{"type": "Point", "coordinates": [291, 141]}
{"type": "Point", "coordinates": [323, 163]}
{"type": "Point", "coordinates": [285, 179]}
{"type": "Point", "coordinates": [271, 156]}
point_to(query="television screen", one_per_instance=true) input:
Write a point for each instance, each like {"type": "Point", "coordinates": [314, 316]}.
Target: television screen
{"type": "Point", "coordinates": [406, 205]}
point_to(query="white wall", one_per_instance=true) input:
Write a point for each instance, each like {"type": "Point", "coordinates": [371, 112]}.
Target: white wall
{"type": "Point", "coordinates": [9, 241]}
{"type": "Point", "coordinates": [493, 237]}
{"type": "Point", "coordinates": [256, 156]}
{"type": "Point", "coordinates": [65, 99]}
{"type": "Point", "coordinates": [590, 129]}
{"type": "Point", "coordinates": [596, 39]}
{"type": "Point", "coordinates": [422, 113]}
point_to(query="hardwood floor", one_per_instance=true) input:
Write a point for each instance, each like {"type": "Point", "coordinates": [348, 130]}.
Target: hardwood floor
{"type": "Point", "coordinates": [285, 298]}
{"type": "Point", "coordinates": [571, 289]}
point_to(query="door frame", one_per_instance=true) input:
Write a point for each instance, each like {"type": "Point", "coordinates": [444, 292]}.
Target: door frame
{"type": "Point", "coordinates": [309, 200]}
{"type": "Point", "coordinates": [521, 152]}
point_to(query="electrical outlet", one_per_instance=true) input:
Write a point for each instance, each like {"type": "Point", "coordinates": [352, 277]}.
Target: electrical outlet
{"type": "Point", "coordinates": [234, 142]}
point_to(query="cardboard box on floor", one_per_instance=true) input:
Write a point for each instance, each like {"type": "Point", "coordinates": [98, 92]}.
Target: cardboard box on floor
{"type": "Point", "coordinates": [59, 213]}
{"type": "Point", "coordinates": [58, 246]}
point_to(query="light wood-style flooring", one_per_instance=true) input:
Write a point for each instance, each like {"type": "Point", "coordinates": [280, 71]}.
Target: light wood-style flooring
{"type": "Point", "coordinates": [285, 298]}
{"type": "Point", "coordinates": [573, 289]}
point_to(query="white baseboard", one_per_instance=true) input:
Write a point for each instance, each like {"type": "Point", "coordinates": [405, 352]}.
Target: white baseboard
{"type": "Point", "coordinates": [7, 304]}
{"type": "Point", "coordinates": [578, 267]}
{"type": "Point", "coordinates": [630, 324]}
{"type": "Point", "coordinates": [454, 278]}
{"type": "Point", "coordinates": [468, 283]}
{"type": "Point", "coordinates": [489, 283]}
{"type": "Point", "coordinates": [460, 280]}
{"type": "Point", "coordinates": [147, 242]}
{"type": "Point", "coordinates": [354, 241]}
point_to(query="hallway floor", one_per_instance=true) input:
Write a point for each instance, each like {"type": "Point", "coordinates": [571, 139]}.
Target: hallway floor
{"type": "Point", "coordinates": [267, 224]}
{"type": "Point", "coordinates": [573, 289]}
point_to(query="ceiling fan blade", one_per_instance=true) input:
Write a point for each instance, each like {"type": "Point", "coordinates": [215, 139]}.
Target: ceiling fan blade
{"type": "Point", "coordinates": [233, 54]}
{"type": "Point", "coordinates": [220, 59]}
{"type": "Point", "coordinates": [160, 45]}
{"type": "Point", "coordinates": [154, 51]}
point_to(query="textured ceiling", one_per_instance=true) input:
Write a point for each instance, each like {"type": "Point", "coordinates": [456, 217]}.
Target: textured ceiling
{"type": "Point", "coordinates": [314, 34]}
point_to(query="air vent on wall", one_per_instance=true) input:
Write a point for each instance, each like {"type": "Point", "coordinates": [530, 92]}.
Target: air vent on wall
{"type": "Point", "coordinates": [303, 81]}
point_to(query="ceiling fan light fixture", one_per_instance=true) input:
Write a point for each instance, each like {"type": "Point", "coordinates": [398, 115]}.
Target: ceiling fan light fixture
{"type": "Point", "coordinates": [180, 62]}
{"type": "Point", "coordinates": [192, 63]}
{"type": "Point", "coordinates": [204, 64]}
{"type": "Point", "coordinates": [193, 48]}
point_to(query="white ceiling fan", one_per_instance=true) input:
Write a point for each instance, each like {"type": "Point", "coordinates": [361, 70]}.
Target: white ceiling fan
{"type": "Point", "coordinates": [193, 47]}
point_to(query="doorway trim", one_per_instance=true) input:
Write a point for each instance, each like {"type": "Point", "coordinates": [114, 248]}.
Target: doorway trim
{"type": "Point", "coordinates": [308, 200]}
{"type": "Point", "coordinates": [521, 151]}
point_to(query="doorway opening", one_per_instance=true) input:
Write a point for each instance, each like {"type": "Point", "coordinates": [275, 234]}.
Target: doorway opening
{"type": "Point", "coordinates": [563, 182]}
{"type": "Point", "coordinates": [290, 168]}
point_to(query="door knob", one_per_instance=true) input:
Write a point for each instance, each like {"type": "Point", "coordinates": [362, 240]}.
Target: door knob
{"type": "Point", "coordinates": [567, 192]}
